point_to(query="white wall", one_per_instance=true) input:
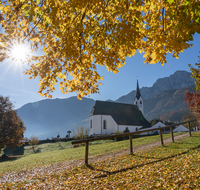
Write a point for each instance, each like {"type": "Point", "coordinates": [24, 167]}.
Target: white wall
{"type": "Point", "coordinates": [111, 124]}
{"type": "Point", "coordinates": [130, 127]}
{"type": "Point", "coordinates": [97, 125]}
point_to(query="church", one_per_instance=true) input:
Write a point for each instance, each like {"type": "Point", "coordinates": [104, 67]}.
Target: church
{"type": "Point", "coordinates": [109, 117]}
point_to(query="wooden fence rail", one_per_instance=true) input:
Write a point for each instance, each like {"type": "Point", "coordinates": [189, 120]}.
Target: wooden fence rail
{"type": "Point", "coordinates": [86, 141]}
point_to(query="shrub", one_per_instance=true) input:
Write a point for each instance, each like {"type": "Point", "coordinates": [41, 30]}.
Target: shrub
{"type": "Point", "coordinates": [80, 133]}
{"type": "Point", "coordinates": [118, 138]}
{"type": "Point", "coordinates": [126, 130]}
{"type": "Point", "coordinates": [33, 141]}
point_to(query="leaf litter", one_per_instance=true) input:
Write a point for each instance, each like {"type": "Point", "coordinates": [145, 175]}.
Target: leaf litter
{"type": "Point", "coordinates": [173, 166]}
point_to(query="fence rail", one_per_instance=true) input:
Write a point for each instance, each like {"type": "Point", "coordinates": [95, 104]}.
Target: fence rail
{"type": "Point", "coordinates": [86, 141]}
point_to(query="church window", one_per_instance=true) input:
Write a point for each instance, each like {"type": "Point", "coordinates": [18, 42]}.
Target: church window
{"type": "Point", "coordinates": [91, 124]}
{"type": "Point", "coordinates": [136, 129]}
{"type": "Point", "coordinates": [140, 102]}
{"type": "Point", "coordinates": [104, 124]}
{"type": "Point", "coordinates": [136, 103]}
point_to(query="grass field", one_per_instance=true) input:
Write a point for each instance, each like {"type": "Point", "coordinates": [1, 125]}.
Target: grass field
{"type": "Point", "coordinates": [173, 166]}
{"type": "Point", "coordinates": [52, 153]}
{"type": "Point", "coordinates": [47, 147]}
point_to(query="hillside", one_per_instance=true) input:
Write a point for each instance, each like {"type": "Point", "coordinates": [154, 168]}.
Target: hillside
{"type": "Point", "coordinates": [49, 117]}
{"type": "Point", "coordinates": [166, 104]}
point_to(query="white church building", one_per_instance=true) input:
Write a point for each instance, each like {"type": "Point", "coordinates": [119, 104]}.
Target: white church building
{"type": "Point", "coordinates": [109, 117]}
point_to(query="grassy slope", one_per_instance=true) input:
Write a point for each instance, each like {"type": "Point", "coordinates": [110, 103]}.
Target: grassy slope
{"type": "Point", "coordinates": [48, 156]}
{"type": "Point", "coordinates": [174, 166]}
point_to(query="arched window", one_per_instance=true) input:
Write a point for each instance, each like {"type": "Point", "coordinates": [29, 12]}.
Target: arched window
{"type": "Point", "coordinates": [140, 102]}
{"type": "Point", "coordinates": [104, 124]}
{"type": "Point", "coordinates": [136, 129]}
{"type": "Point", "coordinates": [90, 124]}
{"type": "Point", "coordinates": [136, 103]}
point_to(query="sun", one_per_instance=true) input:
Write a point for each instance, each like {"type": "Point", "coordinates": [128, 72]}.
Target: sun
{"type": "Point", "coordinates": [19, 53]}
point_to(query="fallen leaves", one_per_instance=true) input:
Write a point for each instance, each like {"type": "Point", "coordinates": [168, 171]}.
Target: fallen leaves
{"type": "Point", "coordinates": [174, 166]}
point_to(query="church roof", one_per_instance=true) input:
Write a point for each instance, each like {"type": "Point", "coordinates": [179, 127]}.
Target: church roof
{"type": "Point", "coordinates": [137, 93]}
{"type": "Point", "coordinates": [123, 114]}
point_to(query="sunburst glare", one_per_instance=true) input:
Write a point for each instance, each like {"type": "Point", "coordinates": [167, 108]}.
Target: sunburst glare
{"type": "Point", "coordinates": [19, 53]}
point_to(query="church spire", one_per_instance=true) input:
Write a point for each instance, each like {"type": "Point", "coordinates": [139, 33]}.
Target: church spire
{"type": "Point", "coordinates": [138, 101]}
{"type": "Point", "coordinates": [137, 93]}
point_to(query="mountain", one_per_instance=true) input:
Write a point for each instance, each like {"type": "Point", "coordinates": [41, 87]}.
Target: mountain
{"type": "Point", "coordinates": [179, 79]}
{"type": "Point", "coordinates": [49, 117]}
{"type": "Point", "coordinates": [168, 105]}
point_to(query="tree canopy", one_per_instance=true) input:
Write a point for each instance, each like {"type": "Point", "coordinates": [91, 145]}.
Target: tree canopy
{"type": "Point", "coordinates": [78, 35]}
{"type": "Point", "coordinates": [11, 125]}
{"type": "Point", "coordinates": [196, 73]}
{"type": "Point", "coordinates": [193, 97]}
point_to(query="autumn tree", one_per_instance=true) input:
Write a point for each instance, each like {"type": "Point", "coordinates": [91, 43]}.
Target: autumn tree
{"type": "Point", "coordinates": [33, 141]}
{"type": "Point", "coordinates": [193, 101]}
{"type": "Point", "coordinates": [11, 125]}
{"type": "Point", "coordinates": [192, 97]}
{"type": "Point", "coordinates": [189, 116]}
{"type": "Point", "coordinates": [78, 35]}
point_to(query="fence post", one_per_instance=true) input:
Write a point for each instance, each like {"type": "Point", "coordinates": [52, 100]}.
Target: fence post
{"type": "Point", "coordinates": [189, 129]}
{"type": "Point", "coordinates": [172, 134]}
{"type": "Point", "coordinates": [86, 153]}
{"type": "Point", "coordinates": [161, 137]}
{"type": "Point", "coordinates": [131, 144]}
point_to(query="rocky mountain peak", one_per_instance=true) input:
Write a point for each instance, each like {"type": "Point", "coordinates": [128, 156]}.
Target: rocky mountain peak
{"type": "Point", "coordinates": [179, 79]}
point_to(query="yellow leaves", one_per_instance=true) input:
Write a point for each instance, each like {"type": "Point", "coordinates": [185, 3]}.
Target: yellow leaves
{"type": "Point", "coordinates": [158, 168]}
{"type": "Point", "coordinates": [34, 38]}
{"type": "Point", "coordinates": [100, 33]}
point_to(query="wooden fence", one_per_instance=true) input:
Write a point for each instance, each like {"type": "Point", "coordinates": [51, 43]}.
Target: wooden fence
{"type": "Point", "coordinates": [86, 141]}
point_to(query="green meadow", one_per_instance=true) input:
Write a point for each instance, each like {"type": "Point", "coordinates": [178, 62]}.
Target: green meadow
{"type": "Point", "coordinates": [173, 166]}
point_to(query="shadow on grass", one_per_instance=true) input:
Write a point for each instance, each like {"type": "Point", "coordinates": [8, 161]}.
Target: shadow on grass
{"type": "Point", "coordinates": [10, 158]}
{"type": "Point", "coordinates": [141, 165]}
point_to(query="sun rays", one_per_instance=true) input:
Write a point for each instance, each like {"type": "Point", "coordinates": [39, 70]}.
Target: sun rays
{"type": "Point", "coordinates": [19, 53]}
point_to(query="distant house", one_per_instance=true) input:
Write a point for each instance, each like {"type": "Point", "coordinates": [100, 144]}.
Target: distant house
{"type": "Point", "coordinates": [180, 128]}
{"type": "Point", "coordinates": [160, 123]}
{"type": "Point", "coordinates": [108, 117]}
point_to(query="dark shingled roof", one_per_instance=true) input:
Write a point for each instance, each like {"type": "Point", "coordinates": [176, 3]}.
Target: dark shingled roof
{"type": "Point", "coordinates": [137, 93]}
{"type": "Point", "coordinates": [123, 114]}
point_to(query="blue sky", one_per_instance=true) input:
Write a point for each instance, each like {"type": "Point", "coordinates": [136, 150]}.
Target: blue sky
{"type": "Point", "coordinates": [22, 90]}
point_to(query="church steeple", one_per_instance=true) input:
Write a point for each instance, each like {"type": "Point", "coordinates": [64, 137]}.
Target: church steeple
{"type": "Point", "coordinates": [137, 93]}
{"type": "Point", "coordinates": [138, 101]}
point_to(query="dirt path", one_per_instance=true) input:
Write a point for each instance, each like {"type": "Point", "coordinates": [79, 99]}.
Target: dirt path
{"type": "Point", "coordinates": [56, 168]}
{"type": "Point", "coordinates": [135, 149]}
